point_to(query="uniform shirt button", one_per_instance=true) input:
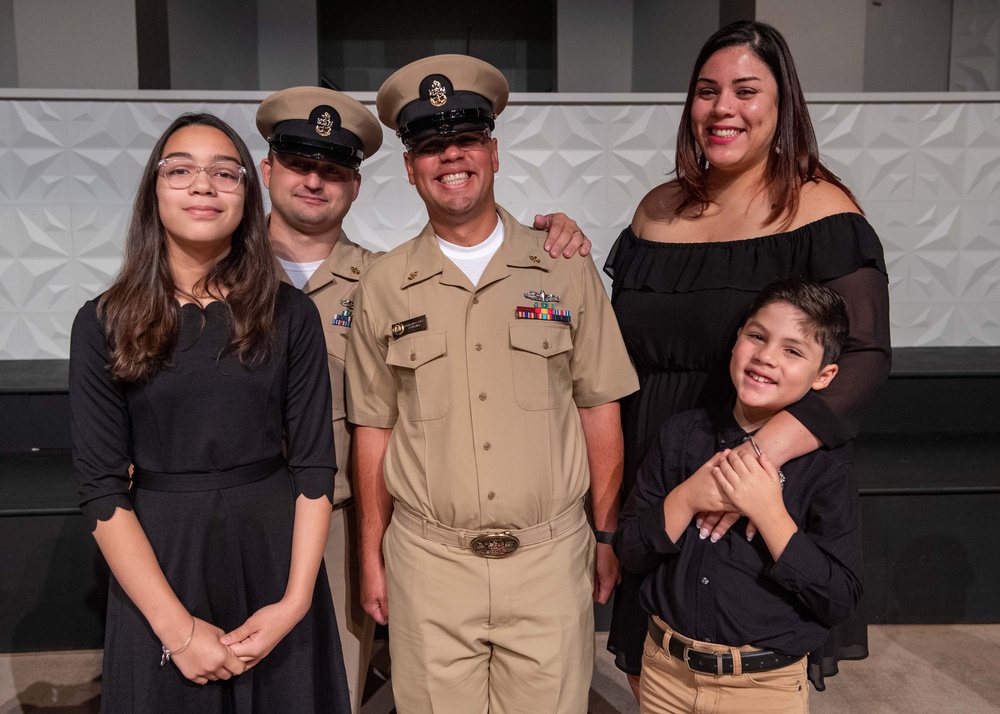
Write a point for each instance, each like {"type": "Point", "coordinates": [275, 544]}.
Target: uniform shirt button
{"type": "Point", "coordinates": [545, 345]}
{"type": "Point", "coordinates": [708, 639]}
{"type": "Point", "coordinates": [475, 301]}
{"type": "Point", "coordinates": [413, 356]}
{"type": "Point", "coordinates": [704, 581]}
{"type": "Point", "coordinates": [491, 495]}
{"type": "Point", "coordinates": [482, 396]}
{"type": "Point", "coordinates": [479, 347]}
{"type": "Point", "coordinates": [487, 446]}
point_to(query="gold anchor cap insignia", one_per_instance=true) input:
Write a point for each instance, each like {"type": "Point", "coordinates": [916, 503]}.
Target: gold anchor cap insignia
{"type": "Point", "coordinates": [438, 95]}
{"type": "Point", "coordinates": [324, 124]}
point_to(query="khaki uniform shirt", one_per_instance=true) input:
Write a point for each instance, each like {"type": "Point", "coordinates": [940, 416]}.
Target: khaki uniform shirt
{"type": "Point", "coordinates": [333, 282]}
{"type": "Point", "coordinates": [483, 405]}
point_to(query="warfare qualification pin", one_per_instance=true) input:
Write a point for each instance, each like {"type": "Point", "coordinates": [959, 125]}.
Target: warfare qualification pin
{"type": "Point", "coordinates": [541, 296]}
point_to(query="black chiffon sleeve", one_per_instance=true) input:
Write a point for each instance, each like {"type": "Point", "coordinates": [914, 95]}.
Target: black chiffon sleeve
{"type": "Point", "coordinates": [834, 414]}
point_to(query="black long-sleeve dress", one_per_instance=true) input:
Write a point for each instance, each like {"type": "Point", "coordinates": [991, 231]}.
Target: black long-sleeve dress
{"type": "Point", "coordinates": [215, 492]}
{"type": "Point", "coordinates": [679, 306]}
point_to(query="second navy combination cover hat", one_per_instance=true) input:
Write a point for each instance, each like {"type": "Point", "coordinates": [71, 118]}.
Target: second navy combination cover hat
{"type": "Point", "coordinates": [441, 94]}
{"type": "Point", "coordinates": [319, 124]}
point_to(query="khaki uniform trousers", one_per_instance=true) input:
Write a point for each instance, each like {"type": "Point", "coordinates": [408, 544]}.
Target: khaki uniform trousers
{"type": "Point", "coordinates": [667, 686]}
{"type": "Point", "coordinates": [472, 635]}
{"type": "Point", "coordinates": [357, 629]}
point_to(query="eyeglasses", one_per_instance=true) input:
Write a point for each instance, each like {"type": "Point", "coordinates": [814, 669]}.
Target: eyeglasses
{"type": "Point", "coordinates": [437, 145]}
{"type": "Point", "coordinates": [181, 173]}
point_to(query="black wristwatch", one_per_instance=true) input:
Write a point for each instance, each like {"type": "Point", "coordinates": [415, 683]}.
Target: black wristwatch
{"type": "Point", "coordinates": [606, 537]}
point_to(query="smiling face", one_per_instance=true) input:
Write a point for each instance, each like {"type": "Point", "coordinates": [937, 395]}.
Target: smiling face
{"type": "Point", "coordinates": [775, 362]}
{"type": "Point", "coordinates": [309, 196]}
{"type": "Point", "coordinates": [734, 113]}
{"type": "Point", "coordinates": [199, 218]}
{"type": "Point", "coordinates": [456, 184]}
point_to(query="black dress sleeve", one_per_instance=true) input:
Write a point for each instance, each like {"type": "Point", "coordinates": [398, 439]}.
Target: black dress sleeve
{"type": "Point", "coordinates": [834, 414]}
{"type": "Point", "coordinates": [99, 422]}
{"type": "Point", "coordinates": [309, 446]}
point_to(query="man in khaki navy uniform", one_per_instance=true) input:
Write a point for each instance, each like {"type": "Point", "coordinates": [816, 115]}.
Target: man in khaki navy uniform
{"type": "Point", "coordinates": [317, 140]}
{"type": "Point", "coordinates": [482, 379]}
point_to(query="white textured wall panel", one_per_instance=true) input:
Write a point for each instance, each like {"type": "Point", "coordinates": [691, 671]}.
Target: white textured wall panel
{"type": "Point", "coordinates": [927, 173]}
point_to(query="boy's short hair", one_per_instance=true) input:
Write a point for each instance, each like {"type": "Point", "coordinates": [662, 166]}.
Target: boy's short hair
{"type": "Point", "coordinates": [824, 312]}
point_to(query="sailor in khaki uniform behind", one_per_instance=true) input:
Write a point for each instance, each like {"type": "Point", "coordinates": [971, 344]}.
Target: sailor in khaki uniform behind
{"type": "Point", "coordinates": [317, 139]}
{"type": "Point", "coordinates": [482, 377]}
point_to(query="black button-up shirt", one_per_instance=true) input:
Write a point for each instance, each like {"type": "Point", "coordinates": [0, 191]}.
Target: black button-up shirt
{"type": "Point", "coordinates": [732, 592]}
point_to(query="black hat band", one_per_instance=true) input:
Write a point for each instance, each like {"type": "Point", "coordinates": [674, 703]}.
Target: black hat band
{"type": "Point", "coordinates": [314, 149]}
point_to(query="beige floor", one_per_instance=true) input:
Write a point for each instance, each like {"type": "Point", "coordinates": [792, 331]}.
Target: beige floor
{"type": "Point", "coordinates": [953, 669]}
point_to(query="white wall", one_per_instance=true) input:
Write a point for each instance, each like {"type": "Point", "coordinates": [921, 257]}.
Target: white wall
{"type": "Point", "coordinates": [213, 45]}
{"type": "Point", "coordinates": [925, 168]}
{"type": "Point", "coordinates": [594, 45]}
{"type": "Point", "coordinates": [975, 46]}
{"type": "Point", "coordinates": [71, 44]}
{"type": "Point", "coordinates": [287, 53]}
{"type": "Point", "coordinates": [8, 45]}
{"type": "Point", "coordinates": [668, 36]}
{"type": "Point", "coordinates": [827, 39]}
{"type": "Point", "coordinates": [907, 48]}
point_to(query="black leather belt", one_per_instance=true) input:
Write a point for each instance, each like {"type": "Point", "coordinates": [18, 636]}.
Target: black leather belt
{"type": "Point", "coordinates": [715, 662]}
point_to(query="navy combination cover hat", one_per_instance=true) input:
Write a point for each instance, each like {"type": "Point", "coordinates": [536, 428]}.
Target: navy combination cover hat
{"type": "Point", "coordinates": [319, 124]}
{"type": "Point", "coordinates": [444, 93]}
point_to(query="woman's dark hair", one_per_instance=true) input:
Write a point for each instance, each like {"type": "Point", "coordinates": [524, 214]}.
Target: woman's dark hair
{"type": "Point", "coordinates": [824, 312]}
{"type": "Point", "coordinates": [140, 310]}
{"type": "Point", "coordinates": [794, 156]}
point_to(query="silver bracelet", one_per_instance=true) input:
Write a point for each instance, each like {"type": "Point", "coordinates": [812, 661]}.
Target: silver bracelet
{"type": "Point", "coordinates": [167, 654]}
{"type": "Point", "coordinates": [781, 476]}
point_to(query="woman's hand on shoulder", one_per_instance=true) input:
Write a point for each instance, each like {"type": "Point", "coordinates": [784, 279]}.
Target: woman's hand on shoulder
{"type": "Point", "coordinates": [206, 658]}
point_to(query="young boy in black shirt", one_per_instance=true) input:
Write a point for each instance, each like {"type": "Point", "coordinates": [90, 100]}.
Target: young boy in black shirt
{"type": "Point", "coordinates": [731, 622]}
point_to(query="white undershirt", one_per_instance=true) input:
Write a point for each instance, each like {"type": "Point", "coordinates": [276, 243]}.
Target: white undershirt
{"type": "Point", "coordinates": [473, 261]}
{"type": "Point", "coordinates": [299, 273]}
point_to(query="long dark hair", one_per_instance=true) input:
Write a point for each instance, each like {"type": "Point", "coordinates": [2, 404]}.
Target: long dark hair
{"type": "Point", "coordinates": [794, 156]}
{"type": "Point", "coordinates": [139, 309]}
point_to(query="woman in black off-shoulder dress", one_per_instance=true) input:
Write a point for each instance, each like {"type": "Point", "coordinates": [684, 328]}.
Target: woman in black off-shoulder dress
{"type": "Point", "coordinates": [202, 443]}
{"type": "Point", "coordinates": [752, 204]}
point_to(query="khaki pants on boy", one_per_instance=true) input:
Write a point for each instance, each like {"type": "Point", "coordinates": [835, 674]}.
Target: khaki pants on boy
{"type": "Point", "coordinates": [470, 635]}
{"type": "Point", "coordinates": [667, 686]}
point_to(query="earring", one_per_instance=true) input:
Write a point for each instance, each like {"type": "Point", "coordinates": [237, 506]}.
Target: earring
{"type": "Point", "coordinates": [777, 149]}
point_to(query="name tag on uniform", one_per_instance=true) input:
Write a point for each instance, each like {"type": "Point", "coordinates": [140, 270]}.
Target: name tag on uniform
{"type": "Point", "coordinates": [541, 311]}
{"type": "Point", "coordinates": [415, 324]}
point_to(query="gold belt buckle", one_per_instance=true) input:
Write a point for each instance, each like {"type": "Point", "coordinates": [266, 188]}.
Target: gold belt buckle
{"type": "Point", "coordinates": [494, 545]}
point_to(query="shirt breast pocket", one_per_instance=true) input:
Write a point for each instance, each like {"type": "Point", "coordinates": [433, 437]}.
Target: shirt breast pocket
{"type": "Point", "coordinates": [420, 365]}
{"type": "Point", "coordinates": [540, 355]}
